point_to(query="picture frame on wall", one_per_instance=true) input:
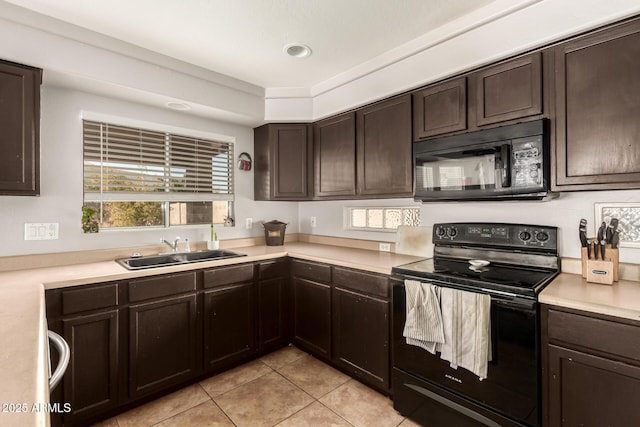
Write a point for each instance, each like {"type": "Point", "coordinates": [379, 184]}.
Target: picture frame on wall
{"type": "Point", "coordinates": [628, 215]}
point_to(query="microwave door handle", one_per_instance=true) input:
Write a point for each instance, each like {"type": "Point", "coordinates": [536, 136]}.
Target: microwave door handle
{"type": "Point", "coordinates": [505, 154]}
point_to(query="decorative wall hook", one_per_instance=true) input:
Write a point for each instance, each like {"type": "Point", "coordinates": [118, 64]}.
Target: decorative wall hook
{"type": "Point", "coordinates": [244, 161]}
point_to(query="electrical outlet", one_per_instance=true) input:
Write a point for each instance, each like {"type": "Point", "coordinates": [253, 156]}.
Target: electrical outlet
{"type": "Point", "coordinates": [385, 247]}
{"type": "Point", "coordinates": [248, 223]}
{"type": "Point", "coordinates": [313, 222]}
{"type": "Point", "coordinates": [41, 231]}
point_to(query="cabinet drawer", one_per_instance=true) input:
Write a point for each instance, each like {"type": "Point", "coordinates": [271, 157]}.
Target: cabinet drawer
{"type": "Point", "coordinates": [597, 334]}
{"type": "Point", "coordinates": [89, 298]}
{"type": "Point", "coordinates": [272, 269]}
{"type": "Point", "coordinates": [311, 270]}
{"type": "Point", "coordinates": [358, 281]}
{"type": "Point", "coordinates": [226, 275]}
{"type": "Point", "coordinates": [155, 287]}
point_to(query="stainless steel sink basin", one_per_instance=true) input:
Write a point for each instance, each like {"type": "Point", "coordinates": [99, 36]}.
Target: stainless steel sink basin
{"type": "Point", "coordinates": [137, 263]}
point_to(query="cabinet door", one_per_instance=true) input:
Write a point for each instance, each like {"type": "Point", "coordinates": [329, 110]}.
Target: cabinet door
{"type": "Point", "coordinates": [292, 160]}
{"type": "Point", "coordinates": [312, 317]}
{"type": "Point", "coordinates": [586, 390]}
{"type": "Point", "coordinates": [20, 129]}
{"type": "Point", "coordinates": [508, 91]}
{"type": "Point", "coordinates": [229, 325]}
{"type": "Point", "coordinates": [273, 330]}
{"type": "Point", "coordinates": [91, 380]}
{"type": "Point", "coordinates": [162, 344]}
{"type": "Point", "coordinates": [384, 148]}
{"type": "Point", "coordinates": [597, 92]}
{"type": "Point", "coordinates": [440, 108]}
{"type": "Point", "coordinates": [283, 162]}
{"type": "Point", "coordinates": [334, 143]}
{"type": "Point", "coordinates": [361, 337]}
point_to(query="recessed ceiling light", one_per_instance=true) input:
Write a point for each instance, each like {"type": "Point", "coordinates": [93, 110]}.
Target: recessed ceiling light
{"type": "Point", "coordinates": [178, 106]}
{"type": "Point", "coordinates": [297, 50]}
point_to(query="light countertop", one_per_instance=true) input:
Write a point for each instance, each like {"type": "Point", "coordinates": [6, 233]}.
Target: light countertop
{"type": "Point", "coordinates": [622, 299]}
{"type": "Point", "coordinates": [23, 342]}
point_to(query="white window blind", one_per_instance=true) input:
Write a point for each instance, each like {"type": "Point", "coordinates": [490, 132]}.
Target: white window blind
{"type": "Point", "coordinates": [129, 164]}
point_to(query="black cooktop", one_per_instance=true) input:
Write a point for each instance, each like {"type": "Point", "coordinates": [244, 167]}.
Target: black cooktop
{"type": "Point", "coordinates": [521, 258]}
{"type": "Point", "coordinates": [505, 278]}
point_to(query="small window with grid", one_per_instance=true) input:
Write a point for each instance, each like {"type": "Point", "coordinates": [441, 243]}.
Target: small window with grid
{"type": "Point", "coordinates": [381, 218]}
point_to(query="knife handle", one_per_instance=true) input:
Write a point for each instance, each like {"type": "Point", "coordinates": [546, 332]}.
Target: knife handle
{"type": "Point", "coordinates": [615, 240]}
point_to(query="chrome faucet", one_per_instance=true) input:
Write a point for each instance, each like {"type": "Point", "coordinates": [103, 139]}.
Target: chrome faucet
{"type": "Point", "coordinates": [174, 245]}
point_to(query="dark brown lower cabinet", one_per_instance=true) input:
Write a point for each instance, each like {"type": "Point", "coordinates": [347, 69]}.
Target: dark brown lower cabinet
{"type": "Point", "coordinates": [273, 297]}
{"type": "Point", "coordinates": [361, 336]}
{"type": "Point", "coordinates": [592, 369]}
{"type": "Point", "coordinates": [230, 330]}
{"type": "Point", "coordinates": [89, 319]}
{"type": "Point", "coordinates": [229, 324]}
{"type": "Point", "coordinates": [588, 390]}
{"type": "Point", "coordinates": [91, 380]}
{"type": "Point", "coordinates": [133, 341]}
{"type": "Point", "coordinates": [312, 316]}
{"type": "Point", "coordinates": [162, 344]}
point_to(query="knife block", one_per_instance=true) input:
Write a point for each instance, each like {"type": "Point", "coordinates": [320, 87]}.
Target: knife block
{"type": "Point", "coordinates": [601, 271]}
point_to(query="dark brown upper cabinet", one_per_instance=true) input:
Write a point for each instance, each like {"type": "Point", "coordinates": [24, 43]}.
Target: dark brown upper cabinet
{"type": "Point", "coordinates": [440, 108]}
{"type": "Point", "coordinates": [597, 110]}
{"type": "Point", "coordinates": [20, 125]}
{"type": "Point", "coordinates": [283, 162]}
{"type": "Point", "coordinates": [384, 144]}
{"type": "Point", "coordinates": [510, 90]}
{"type": "Point", "coordinates": [335, 156]}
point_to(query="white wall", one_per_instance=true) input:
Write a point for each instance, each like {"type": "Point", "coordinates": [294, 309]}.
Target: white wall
{"type": "Point", "coordinates": [61, 192]}
{"type": "Point", "coordinates": [61, 180]}
{"type": "Point", "coordinates": [564, 212]}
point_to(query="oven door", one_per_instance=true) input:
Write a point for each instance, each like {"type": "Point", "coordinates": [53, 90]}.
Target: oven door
{"type": "Point", "coordinates": [512, 386]}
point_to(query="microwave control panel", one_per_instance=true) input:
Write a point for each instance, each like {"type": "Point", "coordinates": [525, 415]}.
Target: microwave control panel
{"type": "Point", "coordinates": [527, 163]}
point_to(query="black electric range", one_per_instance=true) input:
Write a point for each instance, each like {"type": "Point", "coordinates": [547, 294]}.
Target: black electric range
{"type": "Point", "coordinates": [510, 262]}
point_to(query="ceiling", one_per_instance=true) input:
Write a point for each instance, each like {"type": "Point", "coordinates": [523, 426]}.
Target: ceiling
{"type": "Point", "coordinates": [244, 39]}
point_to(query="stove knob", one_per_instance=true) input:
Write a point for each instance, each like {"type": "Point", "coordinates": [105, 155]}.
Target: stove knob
{"type": "Point", "coordinates": [440, 231]}
{"type": "Point", "coordinates": [542, 236]}
{"type": "Point", "coordinates": [525, 236]}
{"type": "Point", "coordinates": [453, 232]}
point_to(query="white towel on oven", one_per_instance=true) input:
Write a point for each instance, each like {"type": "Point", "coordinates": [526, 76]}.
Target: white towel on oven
{"type": "Point", "coordinates": [466, 318]}
{"type": "Point", "coordinates": [423, 325]}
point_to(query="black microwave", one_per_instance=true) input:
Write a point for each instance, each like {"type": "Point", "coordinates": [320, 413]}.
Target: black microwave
{"type": "Point", "coordinates": [508, 162]}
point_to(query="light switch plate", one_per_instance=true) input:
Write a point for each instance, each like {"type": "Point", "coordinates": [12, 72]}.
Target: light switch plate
{"type": "Point", "coordinates": [248, 223]}
{"type": "Point", "coordinates": [41, 231]}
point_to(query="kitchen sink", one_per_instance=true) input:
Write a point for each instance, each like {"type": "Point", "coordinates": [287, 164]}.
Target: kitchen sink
{"type": "Point", "coordinates": [137, 263]}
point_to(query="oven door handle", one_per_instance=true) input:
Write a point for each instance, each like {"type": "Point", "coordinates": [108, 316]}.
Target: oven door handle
{"type": "Point", "coordinates": [509, 299]}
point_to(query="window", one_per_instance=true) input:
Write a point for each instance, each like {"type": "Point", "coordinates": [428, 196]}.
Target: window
{"type": "Point", "coordinates": [145, 178]}
{"type": "Point", "coordinates": [382, 219]}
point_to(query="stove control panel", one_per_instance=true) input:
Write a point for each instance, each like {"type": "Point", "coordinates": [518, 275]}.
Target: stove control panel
{"type": "Point", "coordinates": [509, 236]}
